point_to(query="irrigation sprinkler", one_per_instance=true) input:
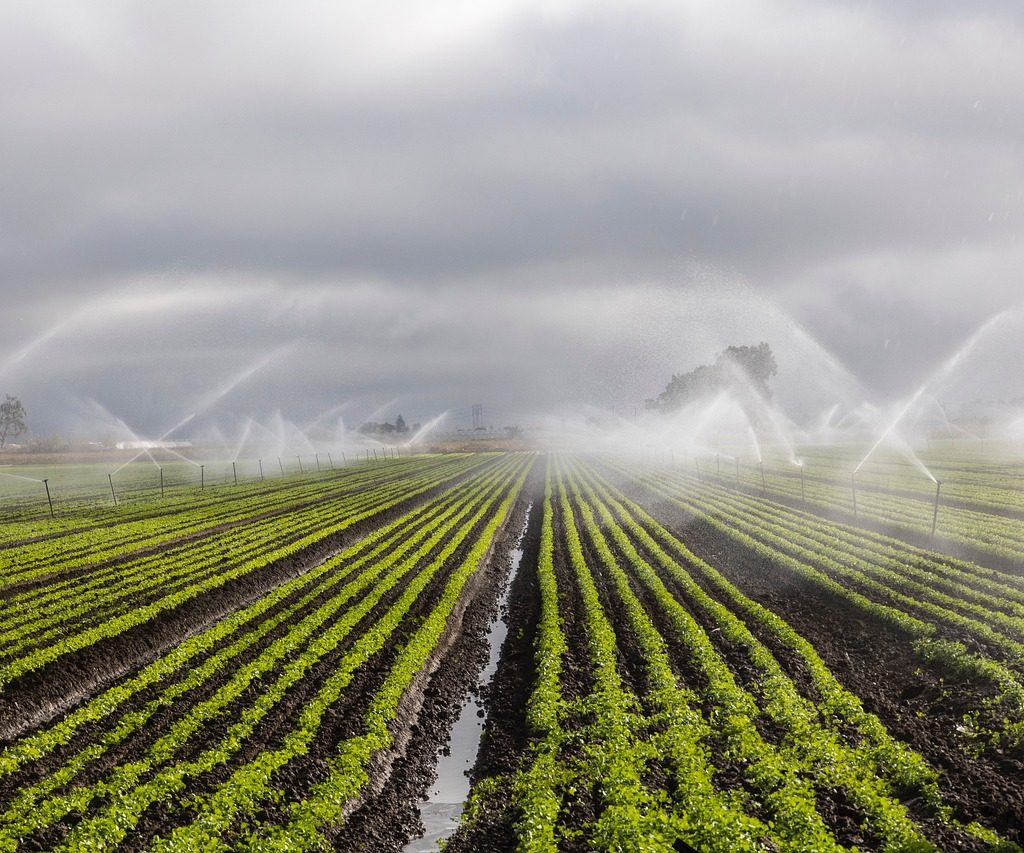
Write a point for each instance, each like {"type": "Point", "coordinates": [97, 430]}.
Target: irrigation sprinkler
{"type": "Point", "coordinates": [375, 454]}
{"type": "Point", "coordinates": [300, 464]}
{"type": "Point", "coordinates": [110, 479]}
{"type": "Point", "coordinates": [49, 500]}
{"type": "Point", "coordinates": [696, 464]}
{"type": "Point", "coordinates": [161, 483]}
{"type": "Point", "coordinates": [261, 469]}
{"type": "Point", "coordinates": [234, 471]}
{"type": "Point", "coordinates": [316, 456]}
{"type": "Point", "coordinates": [803, 495]}
{"type": "Point", "coordinates": [764, 483]}
{"type": "Point", "coordinates": [344, 458]}
{"type": "Point", "coordinates": [330, 461]}
{"type": "Point", "coordinates": [280, 465]}
{"type": "Point", "coordinates": [202, 477]}
{"type": "Point", "coordinates": [935, 511]}
{"type": "Point", "coordinates": [718, 464]}
{"type": "Point", "coordinates": [853, 490]}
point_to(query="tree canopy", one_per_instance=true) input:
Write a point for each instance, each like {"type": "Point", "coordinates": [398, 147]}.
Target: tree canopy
{"type": "Point", "coordinates": [12, 419]}
{"type": "Point", "coordinates": [741, 368]}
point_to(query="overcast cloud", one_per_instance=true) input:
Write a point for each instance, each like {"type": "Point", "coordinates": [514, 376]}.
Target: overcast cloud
{"type": "Point", "coordinates": [525, 204]}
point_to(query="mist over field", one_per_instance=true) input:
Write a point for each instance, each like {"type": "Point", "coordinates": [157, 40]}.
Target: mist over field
{"type": "Point", "coordinates": [544, 209]}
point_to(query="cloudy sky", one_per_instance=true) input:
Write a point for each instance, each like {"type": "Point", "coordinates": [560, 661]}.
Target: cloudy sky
{"type": "Point", "coordinates": [416, 207]}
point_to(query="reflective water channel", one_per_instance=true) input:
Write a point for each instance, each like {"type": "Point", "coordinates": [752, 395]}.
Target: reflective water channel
{"type": "Point", "coordinates": [441, 811]}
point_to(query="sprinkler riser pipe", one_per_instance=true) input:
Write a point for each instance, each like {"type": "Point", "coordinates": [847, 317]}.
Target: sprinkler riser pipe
{"type": "Point", "coordinates": [110, 479]}
{"type": "Point", "coordinates": [49, 500]}
{"type": "Point", "coordinates": [935, 511]}
{"type": "Point", "coordinates": [234, 472]}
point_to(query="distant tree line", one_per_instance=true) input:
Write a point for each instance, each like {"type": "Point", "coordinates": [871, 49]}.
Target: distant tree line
{"type": "Point", "coordinates": [12, 419]}
{"type": "Point", "coordinates": [739, 368]}
{"type": "Point", "coordinates": [386, 428]}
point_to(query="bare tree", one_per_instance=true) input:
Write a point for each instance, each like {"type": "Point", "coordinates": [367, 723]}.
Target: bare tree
{"type": "Point", "coordinates": [12, 419]}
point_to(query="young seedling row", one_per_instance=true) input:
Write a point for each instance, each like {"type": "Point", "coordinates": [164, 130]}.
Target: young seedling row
{"type": "Point", "coordinates": [688, 666]}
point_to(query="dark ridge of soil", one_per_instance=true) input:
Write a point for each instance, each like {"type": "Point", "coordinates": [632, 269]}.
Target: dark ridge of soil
{"type": "Point", "coordinates": [37, 697]}
{"type": "Point", "coordinates": [342, 720]}
{"type": "Point", "coordinates": [505, 738]}
{"type": "Point", "coordinates": [873, 661]}
{"type": "Point", "coordinates": [631, 663]}
{"type": "Point", "coordinates": [959, 550]}
{"type": "Point", "coordinates": [28, 584]}
{"type": "Point", "coordinates": [389, 819]}
{"type": "Point", "coordinates": [161, 513]}
{"type": "Point", "coordinates": [164, 716]}
{"type": "Point", "coordinates": [577, 677]}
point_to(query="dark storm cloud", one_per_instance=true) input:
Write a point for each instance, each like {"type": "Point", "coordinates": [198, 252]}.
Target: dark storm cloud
{"type": "Point", "coordinates": [382, 186]}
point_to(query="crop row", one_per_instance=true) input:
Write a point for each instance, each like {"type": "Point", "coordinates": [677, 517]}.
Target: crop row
{"type": "Point", "coordinates": [975, 524]}
{"type": "Point", "coordinates": [47, 622]}
{"type": "Point", "coordinates": [92, 543]}
{"type": "Point", "coordinates": [690, 727]}
{"type": "Point", "coordinates": [209, 721]}
{"type": "Point", "coordinates": [947, 618]}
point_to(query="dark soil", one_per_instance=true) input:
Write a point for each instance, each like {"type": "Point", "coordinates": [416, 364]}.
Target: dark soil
{"type": "Point", "coordinates": [918, 705]}
{"type": "Point", "coordinates": [505, 735]}
{"type": "Point", "coordinates": [36, 697]}
{"type": "Point", "coordinates": [389, 818]}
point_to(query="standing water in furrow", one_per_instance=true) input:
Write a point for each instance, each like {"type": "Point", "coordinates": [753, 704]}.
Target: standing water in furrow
{"type": "Point", "coordinates": [441, 810]}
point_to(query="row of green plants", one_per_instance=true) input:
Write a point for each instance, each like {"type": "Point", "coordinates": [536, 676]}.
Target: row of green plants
{"type": "Point", "coordinates": [241, 629]}
{"type": "Point", "coordinates": [985, 531]}
{"type": "Point", "coordinates": [163, 770]}
{"type": "Point", "coordinates": [207, 578]}
{"type": "Point", "coordinates": [936, 634]}
{"type": "Point", "coordinates": [44, 553]}
{"type": "Point", "coordinates": [75, 516]}
{"type": "Point", "coordinates": [640, 753]}
{"type": "Point", "coordinates": [828, 737]}
{"type": "Point", "coordinates": [946, 597]}
{"type": "Point", "coordinates": [63, 607]}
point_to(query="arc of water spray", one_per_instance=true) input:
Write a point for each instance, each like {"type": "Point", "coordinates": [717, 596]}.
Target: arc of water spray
{"type": "Point", "coordinates": [888, 431]}
{"type": "Point", "coordinates": [426, 428]}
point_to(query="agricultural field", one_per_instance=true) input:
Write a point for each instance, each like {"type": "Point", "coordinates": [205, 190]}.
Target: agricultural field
{"type": "Point", "coordinates": [697, 657]}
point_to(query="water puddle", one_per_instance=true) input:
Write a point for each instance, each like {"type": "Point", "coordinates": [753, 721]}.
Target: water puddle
{"type": "Point", "coordinates": [441, 811]}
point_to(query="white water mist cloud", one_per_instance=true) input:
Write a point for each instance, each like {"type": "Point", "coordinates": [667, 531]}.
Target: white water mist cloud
{"type": "Point", "coordinates": [510, 202]}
